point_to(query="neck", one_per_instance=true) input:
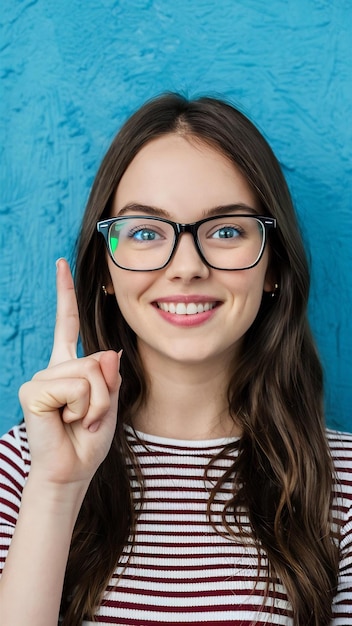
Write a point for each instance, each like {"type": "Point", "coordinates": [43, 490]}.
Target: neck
{"type": "Point", "coordinates": [187, 401]}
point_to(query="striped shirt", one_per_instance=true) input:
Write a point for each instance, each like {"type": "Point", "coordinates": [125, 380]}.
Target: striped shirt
{"type": "Point", "coordinates": [181, 571]}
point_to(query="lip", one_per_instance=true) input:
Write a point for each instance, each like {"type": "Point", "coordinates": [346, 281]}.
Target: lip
{"type": "Point", "coordinates": [187, 299]}
{"type": "Point", "coordinates": [191, 320]}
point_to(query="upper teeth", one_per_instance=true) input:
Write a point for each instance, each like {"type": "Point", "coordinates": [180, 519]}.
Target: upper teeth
{"type": "Point", "coordinates": [181, 308]}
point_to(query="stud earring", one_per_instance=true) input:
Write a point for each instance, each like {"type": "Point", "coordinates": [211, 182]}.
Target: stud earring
{"type": "Point", "coordinates": [104, 290]}
{"type": "Point", "coordinates": [275, 290]}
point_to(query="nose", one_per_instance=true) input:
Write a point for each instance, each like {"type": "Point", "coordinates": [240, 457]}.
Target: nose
{"type": "Point", "coordinates": [186, 263]}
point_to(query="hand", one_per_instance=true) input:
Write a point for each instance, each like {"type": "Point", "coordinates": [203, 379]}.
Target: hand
{"type": "Point", "coordinates": [70, 408]}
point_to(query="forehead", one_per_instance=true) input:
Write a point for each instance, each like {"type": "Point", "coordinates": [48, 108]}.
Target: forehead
{"type": "Point", "coordinates": [182, 175]}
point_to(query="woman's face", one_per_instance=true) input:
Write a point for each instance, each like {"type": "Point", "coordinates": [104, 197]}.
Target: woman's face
{"type": "Point", "coordinates": [183, 179]}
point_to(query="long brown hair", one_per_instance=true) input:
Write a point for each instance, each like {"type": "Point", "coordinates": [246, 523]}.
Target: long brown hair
{"type": "Point", "coordinates": [275, 390]}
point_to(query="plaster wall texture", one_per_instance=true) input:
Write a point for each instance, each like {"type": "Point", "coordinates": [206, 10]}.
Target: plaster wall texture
{"type": "Point", "coordinates": [72, 71]}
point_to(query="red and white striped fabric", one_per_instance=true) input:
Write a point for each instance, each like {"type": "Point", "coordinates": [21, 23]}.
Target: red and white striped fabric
{"type": "Point", "coordinates": [181, 570]}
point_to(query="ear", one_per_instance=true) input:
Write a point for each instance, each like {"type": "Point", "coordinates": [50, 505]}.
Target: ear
{"type": "Point", "coordinates": [109, 288]}
{"type": "Point", "coordinates": [270, 280]}
{"type": "Point", "coordinates": [107, 282]}
{"type": "Point", "coordinates": [107, 285]}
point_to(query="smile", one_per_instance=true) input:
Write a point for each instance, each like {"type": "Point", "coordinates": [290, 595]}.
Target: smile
{"type": "Point", "coordinates": [182, 308]}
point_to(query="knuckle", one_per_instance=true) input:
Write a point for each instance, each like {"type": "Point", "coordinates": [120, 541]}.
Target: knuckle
{"type": "Point", "coordinates": [101, 403]}
{"type": "Point", "coordinates": [81, 386]}
{"type": "Point", "coordinates": [91, 365]}
{"type": "Point", "coordinates": [33, 398]}
{"type": "Point", "coordinates": [37, 376]}
{"type": "Point", "coordinates": [100, 407]}
{"type": "Point", "coordinates": [23, 391]}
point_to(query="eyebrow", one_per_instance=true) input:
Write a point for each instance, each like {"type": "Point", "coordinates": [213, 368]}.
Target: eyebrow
{"type": "Point", "coordinates": [134, 207]}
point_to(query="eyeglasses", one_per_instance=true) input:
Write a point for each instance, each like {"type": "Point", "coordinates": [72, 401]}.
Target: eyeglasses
{"type": "Point", "coordinates": [143, 243]}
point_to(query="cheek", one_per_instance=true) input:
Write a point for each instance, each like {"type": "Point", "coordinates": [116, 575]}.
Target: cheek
{"type": "Point", "coordinates": [248, 283]}
{"type": "Point", "coordinates": [129, 288]}
{"type": "Point", "coordinates": [125, 303]}
{"type": "Point", "coordinates": [247, 293]}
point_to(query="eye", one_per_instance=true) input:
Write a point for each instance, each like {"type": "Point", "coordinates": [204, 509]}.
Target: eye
{"type": "Point", "coordinates": [143, 234]}
{"type": "Point", "coordinates": [227, 232]}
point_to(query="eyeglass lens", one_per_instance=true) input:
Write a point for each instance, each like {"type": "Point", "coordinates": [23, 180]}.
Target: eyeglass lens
{"type": "Point", "coordinates": [230, 242]}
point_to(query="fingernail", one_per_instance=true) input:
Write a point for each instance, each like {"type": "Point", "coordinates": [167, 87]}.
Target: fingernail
{"type": "Point", "coordinates": [119, 354]}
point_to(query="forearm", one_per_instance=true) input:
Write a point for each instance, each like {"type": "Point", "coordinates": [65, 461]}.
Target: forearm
{"type": "Point", "coordinates": [32, 581]}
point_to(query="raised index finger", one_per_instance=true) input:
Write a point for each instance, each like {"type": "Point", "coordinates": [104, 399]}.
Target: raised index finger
{"type": "Point", "coordinates": [67, 320]}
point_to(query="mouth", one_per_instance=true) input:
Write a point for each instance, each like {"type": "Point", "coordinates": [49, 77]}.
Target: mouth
{"type": "Point", "coordinates": [186, 308]}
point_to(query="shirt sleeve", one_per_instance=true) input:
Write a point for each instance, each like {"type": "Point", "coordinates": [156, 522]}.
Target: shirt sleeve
{"type": "Point", "coordinates": [14, 469]}
{"type": "Point", "coordinates": [342, 453]}
{"type": "Point", "coordinates": [342, 606]}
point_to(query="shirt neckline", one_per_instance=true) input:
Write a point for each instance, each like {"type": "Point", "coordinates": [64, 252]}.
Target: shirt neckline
{"type": "Point", "coordinates": [182, 443]}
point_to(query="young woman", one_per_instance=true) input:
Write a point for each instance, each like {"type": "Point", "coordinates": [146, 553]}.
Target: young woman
{"type": "Point", "coordinates": [208, 492]}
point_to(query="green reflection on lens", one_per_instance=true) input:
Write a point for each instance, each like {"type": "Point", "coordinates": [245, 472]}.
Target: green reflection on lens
{"type": "Point", "coordinates": [114, 242]}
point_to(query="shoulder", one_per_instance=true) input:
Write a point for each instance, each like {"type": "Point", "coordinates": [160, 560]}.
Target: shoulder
{"type": "Point", "coordinates": [340, 445]}
{"type": "Point", "coordinates": [14, 469]}
{"type": "Point", "coordinates": [341, 451]}
{"type": "Point", "coordinates": [14, 451]}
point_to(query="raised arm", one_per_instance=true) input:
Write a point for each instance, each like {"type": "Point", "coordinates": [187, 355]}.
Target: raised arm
{"type": "Point", "coordinates": [70, 412]}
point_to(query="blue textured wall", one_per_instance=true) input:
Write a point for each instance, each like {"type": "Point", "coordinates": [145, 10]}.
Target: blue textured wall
{"type": "Point", "coordinates": [71, 71]}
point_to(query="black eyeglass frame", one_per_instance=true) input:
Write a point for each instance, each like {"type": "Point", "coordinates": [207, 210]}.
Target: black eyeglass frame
{"type": "Point", "coordinates": [103, 227]}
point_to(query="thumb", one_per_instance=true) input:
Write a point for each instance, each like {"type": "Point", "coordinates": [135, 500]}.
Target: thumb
{"type": "Point", "coordinates": [109, 362]}
{"type": "Point", "coordinates": [110, 366]}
